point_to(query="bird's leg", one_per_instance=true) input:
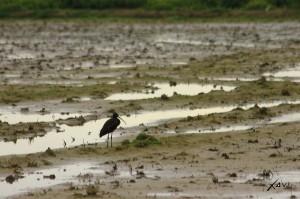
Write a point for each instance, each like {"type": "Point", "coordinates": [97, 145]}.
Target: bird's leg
{"type": "Point", "coordinates": [111, 140]}
{"type": "Point", "coordinates": [107, 140]}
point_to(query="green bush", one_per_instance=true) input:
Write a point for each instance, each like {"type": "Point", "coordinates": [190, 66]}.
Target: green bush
{"type": "Point", "coordinates": [125, 143]}
{"type": "Point", "coordinates": [144, 140]}
{"type": "Point", "coordinates": [142, 136]}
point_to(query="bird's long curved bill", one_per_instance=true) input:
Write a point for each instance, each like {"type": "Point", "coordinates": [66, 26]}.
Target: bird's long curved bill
{"type": "Point", "coordinates": [121, 119]}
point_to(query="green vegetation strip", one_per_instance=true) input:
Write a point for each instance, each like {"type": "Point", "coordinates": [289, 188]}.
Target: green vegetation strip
{"type": "Point", "coordinates": [246, 91]}
{"type": "Point", "coordinates": [17, 93]}
{"type": "Point", "coordinates": [142, 140]}
{"type": "Point", "coordinates": [149, 8]}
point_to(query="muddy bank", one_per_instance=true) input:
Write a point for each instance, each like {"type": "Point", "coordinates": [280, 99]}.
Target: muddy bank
{"type": "Point", "coordinates": [85, 53]}
{"type": "Point", "coordinates": [10, 133]}
{"type": "Point", "coordinates": [180, 164]}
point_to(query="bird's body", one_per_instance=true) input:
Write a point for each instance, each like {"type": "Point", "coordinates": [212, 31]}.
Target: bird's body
{"type": "Point", "coordinates": [109, 126]}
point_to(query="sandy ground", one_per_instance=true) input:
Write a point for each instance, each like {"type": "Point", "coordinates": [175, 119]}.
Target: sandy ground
{"type": "Point", "coordinates": [67, 60]}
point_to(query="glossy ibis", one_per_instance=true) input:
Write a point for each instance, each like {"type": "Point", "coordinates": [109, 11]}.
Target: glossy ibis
{"type": "Point", "coordinates": [109, 126]}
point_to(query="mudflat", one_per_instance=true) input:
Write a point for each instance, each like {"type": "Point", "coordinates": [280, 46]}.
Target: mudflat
{"type": "Point", "coordinates": [211, 109]}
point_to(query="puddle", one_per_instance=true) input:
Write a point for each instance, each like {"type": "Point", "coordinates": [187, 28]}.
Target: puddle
{"type": "Point", "coordinates": [155, 117]}
{"type": "Point", "coordinates": [239, 194]}
{"type": "Point", "coordinates": [80, 173]}
{"type": "Point", "coordinates": [22, 55]}
{"type": "Point", "coordinates": [121, 65]}
{"type": "Point", "coordinates": [283, 176]}
{"type": "Point", "coordinates": [165, 88]}
{"type": "Point", "coordinates": [218, 129]}
{"type": "Point", "coordinates": [72, 136]}
{"type": "Point", "coordinates": [82, 99]}
{"type": "Point", "coordinates": [65, 173]}
{"type": "Point", "coordinates": [179, 63]}
{"type": "Point", "coordinates": [89, 132]}
{"type": "Point", "coordinates": [36, 180]}
{"type": "Point", "coordinates": [292, 117]}
{"type": "Point", "coordinates": [16, 117]}
{"type": "Point", "coordinates": [84, 173]}
{"type": "Point", "coordinates": [112, 82]}
{"type": "Point", "coordinates": [173, 195]}
{"type": "Point", "coordinates": [244, 79]}
{"type": "Point", "coordinates": [293, 73]}
{"type": "Point", "coordinates": [248, 79]}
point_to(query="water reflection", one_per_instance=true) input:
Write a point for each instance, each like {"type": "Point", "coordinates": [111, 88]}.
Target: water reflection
{"type": "Point", "coordinates": [238, 194]}
{"type": "Point", "coordinates": [158, 89]}
{"type": "Point", "coordinates": [79, 173]}
{"type": "Point", "coordinates": [291, 117]}
{"type": "Point", "coordinates": [219, 129]}
{"type": "Point", "coordinates": [16, 117]}
{"type": "Point", "coordinates": [84, 173]}
{"type": "Point", "coordinates": [89, 132]}
{"type": "Point", "coordinates": [286, 73]}
{"type": "Point", "coordinates": [65, 173]}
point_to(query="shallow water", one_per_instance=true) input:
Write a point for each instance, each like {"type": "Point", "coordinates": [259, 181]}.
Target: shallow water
{"type": "Point", "coordinates": [291, 117]}
{"type": "Point", "coordinates": [245, 79]}
{"type": "Point", "coordinates": [72, 136]}
{"type": "Point", "coordinates": [283, 176]}
{"type": "Point", "coordinates": [290, 73]}
{"type": "Point", "coordinates": [284, 118]}
{"type": "Point", "coordinates": [16, 117]}
{"type": "Point", "coordinates": [84, 173]}
{"type": "Point", "coordinates": [63, 174]}
{"type": "Point", "coordinates": [239, 194]}
{"type": "Point", "coordinates": [121, 65]}
{"type": "Point", "coordinates": [36, 180]}
{"type": "Point", "coordinates": [71, 173]}
{"type": "Point", "coordinates": [219, 129]}
{"type": "Point", "coordinates": [248, 79]}
{"type": "Point", "coordinates": [89, 132]}
{"type": "Point", "coordinates": [165, 88]}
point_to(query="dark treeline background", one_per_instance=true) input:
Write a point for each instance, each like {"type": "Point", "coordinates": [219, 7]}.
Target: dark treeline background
{"type": "Point", "coordinates": [13, 7]}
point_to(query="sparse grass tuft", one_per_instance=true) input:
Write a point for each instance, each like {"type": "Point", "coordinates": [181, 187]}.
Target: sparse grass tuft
{"type": "Point", "coordinates": [50, 152]}
{"type": "Point", "coordinates": [164, 97]}
{"type": "Point", "coordinates": [144, 140]}
{"type": "Point", "coordinates": [125, 143]}
{"type": "Point", "coordinates": [91, 190]}
{"type": "Point", "coordinates": [86, 150]}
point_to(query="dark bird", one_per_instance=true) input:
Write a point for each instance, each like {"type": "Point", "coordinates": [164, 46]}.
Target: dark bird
{"type": "Point", "coordinates": [109, 126]}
